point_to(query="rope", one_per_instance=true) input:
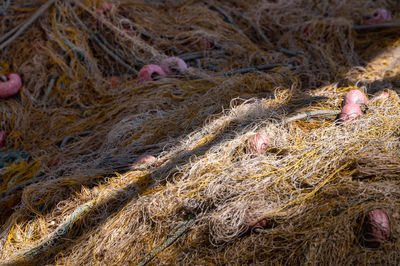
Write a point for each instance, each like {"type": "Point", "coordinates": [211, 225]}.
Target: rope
{"type": "Point", "coordinates": [257, 68]}
{"type": "Point", "coordinates": [308, 115]}
{"type": "Point", "coordinates": [8, 34]}
{"type": "Point", "coordinates": [51, 239]}
{"type": "Point", "coordinates": [374, 27]}
{"type": "Point", "coordinates": [199, 55]}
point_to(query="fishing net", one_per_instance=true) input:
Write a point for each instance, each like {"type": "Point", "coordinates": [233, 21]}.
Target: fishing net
{"type": "Point", "coordinates": [68, 191]}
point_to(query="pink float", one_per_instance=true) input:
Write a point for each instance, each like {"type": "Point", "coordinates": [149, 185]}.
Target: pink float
{"type": "Point", "coordinates": [258, 143]}
{"type": "Point", "coordinates": [150, 73]}
{"type": "Point", "coordinates": [379, 16]}
{"type": "Point", "coordinates": [350, 112]}
{"type": "Point", "coordinates": [11, 86]}
{"type": "Point", "coordinates": [355, 97]}
{"type": "Point", "coordinates": [143, 159]}
{"type": "Point", "coordinates": [173, 66]}
{"type": "Point", "coordinates": [376, 228]}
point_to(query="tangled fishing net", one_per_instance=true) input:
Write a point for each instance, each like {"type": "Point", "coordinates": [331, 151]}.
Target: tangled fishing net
{"type": "Point", "coordinates": [71, 191]}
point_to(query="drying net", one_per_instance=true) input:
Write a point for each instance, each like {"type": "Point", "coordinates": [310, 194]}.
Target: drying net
{"type": "Point", "coordinates": [69, 196]}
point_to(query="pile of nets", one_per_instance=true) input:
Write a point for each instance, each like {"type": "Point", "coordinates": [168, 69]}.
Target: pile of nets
{"type": "Point", "coordinates": [69, 193]}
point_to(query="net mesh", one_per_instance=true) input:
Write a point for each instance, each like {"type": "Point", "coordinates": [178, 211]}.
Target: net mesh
{"type": "Point", "coordinates": [69, 195]}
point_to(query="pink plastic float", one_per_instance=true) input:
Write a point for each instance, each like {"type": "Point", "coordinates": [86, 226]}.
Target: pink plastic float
{"type": "Point", "coordinates": [376, 228]}
{"type": "Point", "coordinates": [11, 86]}
{"type": "Point", "coordinates": [143, 159]}
{"type": "Point", "coordinates": [151, 72]}
{"type": "Point", "coordinates": [350, 112]}
{"type": "Point", "coordinates": [355, 97]}
{"type": "Point", "coordinates": [173, 66]}
{"type": "Point", "coordinates": [379, 16]}
{"type": "Point", "coordinates": [258, 143]}
{"type": "Point", "coordinates": [261, 224]}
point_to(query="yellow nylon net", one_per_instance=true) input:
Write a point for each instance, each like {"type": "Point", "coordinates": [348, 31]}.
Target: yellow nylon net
{"type": "Point", "coordinates": [68, 195]}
